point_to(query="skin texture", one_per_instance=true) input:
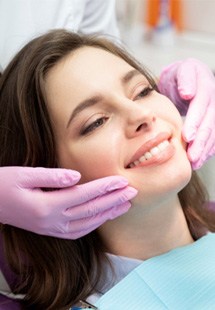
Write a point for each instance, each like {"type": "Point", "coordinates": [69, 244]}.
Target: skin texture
{"type": "Point", "coordinates": [121, 121]}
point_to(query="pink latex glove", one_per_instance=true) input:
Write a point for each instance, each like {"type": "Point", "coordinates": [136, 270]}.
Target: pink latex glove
{"type": "Point", "coordinates": [191, 84]}
{"type": "Point", "coordinates": [69, 212]}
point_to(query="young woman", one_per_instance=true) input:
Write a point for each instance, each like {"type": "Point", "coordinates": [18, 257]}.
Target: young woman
{"type": "Point", "coordinates": [83, 103]}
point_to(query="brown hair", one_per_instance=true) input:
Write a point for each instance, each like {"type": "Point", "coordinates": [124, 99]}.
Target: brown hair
{"type": "Point", "coordinates": [56, 273]}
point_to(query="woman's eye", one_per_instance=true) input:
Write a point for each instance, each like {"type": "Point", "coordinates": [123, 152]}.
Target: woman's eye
{"type": "Point", "coordinates": [146, 91]}
{"type": "Point", "coordinates": [94, 125]}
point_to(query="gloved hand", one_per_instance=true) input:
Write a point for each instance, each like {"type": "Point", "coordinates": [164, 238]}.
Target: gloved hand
{"type": "Point", "coordinates": [69, 212]}
{"type": "Point", "coordinates": [191, 84]}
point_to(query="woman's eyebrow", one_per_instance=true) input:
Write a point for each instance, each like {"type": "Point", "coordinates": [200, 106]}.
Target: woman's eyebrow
{"type": "Point", "coordinates": [82, 106]}
{"type": "Point", "coordinates": [96, 99]}
{"type": "Point", "coordinates": [129, 75]}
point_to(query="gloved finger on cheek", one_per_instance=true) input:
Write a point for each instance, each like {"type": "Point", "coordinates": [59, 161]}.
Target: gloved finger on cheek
{"type": "Point", "coordinates": [205, 138]}
{"type": "Point", "coordinates": [197, 147]}
{"type": "Point", "coordinates": [68, 198]}
{"type": "Point", "coordinates": [195, 115]}
{"type": "Point", "coordinates": [187, 80]}
{"type": "Point", "coordinates": [209, 150]}
{"type": "Point", "coordinates": [106, 202]}
{"type": "Point", "coordinates": [96, 188]}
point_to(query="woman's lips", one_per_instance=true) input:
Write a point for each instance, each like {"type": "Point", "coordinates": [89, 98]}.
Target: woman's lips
{"type": "Point", "coordinates": [154, 151]}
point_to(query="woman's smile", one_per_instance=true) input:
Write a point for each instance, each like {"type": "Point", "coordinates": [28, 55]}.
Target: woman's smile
{"type": "Point", "coordinates": [155, 151]}
{"type": "Point", "coordinates": [164, 152]}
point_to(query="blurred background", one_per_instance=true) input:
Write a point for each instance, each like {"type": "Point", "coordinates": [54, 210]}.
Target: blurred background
{"type": "Point", "coordinates": [175, 29]}
{"type": "Point", "coordinates": [159, 32]}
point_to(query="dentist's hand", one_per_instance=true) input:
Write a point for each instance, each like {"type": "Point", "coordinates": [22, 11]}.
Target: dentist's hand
{"type": "Point", "coordinates": [190, 84]}
{"type": "Point", "coordinates": [69, 212]}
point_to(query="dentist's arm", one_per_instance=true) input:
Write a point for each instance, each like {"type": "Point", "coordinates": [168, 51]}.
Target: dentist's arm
{"type": "Point", "coordinates": [190, 84]}
{"type": "Point", "coordinates": [69, 212]}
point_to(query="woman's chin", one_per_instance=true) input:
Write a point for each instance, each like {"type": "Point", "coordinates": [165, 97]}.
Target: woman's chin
{"type": "Point", "coordinates": [157, 190]}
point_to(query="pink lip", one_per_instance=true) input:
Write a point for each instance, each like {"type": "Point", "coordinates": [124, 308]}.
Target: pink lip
{"type": "Point", "coordinates": [149, 145]}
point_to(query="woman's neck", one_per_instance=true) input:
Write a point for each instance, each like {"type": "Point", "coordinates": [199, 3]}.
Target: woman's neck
{"type": "Point", "coordinates": [143, 233]}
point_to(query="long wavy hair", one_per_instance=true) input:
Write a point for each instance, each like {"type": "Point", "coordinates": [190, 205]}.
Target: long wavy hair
{"type": "Point", "coordinates": [56, 273]}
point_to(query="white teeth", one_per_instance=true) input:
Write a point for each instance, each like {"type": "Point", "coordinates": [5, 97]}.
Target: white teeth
{"type": "Point", "coordinates": [163, 145]}
{"type": "Point", "coordinates": [142, 159]}
{"type": "Point", "coordinates": [155, 150]}
{"type": "Point", "coordinates": [149, 154]}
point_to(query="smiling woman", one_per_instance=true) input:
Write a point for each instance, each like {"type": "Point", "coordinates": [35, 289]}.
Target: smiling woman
{"type": "Point", "coordinates": [83, 103]}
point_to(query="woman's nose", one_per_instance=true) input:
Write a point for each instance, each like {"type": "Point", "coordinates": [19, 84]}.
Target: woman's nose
{"type": "Point", "coordinates": [139, 120]}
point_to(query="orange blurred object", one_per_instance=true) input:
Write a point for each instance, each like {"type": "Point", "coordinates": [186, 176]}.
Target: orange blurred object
{"type": "Point", "coordinates": [153, 11]}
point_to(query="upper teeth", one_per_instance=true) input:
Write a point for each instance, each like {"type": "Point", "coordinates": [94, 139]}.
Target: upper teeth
{"type": "Point", "coordinates": [149, 154]}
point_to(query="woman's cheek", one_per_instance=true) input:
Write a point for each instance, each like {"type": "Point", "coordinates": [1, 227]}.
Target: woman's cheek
{"type": "Point", "coordinates": [97, 165]}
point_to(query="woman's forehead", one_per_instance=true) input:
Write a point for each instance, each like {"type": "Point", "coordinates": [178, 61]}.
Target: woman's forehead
{"type": "Point", "coordinates": [92, 58]}
{"type": "Point", "coordinates": [86, 64]}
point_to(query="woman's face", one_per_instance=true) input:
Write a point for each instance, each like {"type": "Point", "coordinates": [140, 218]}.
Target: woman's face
{"type": "Point", "coordinates": [108, 121]}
